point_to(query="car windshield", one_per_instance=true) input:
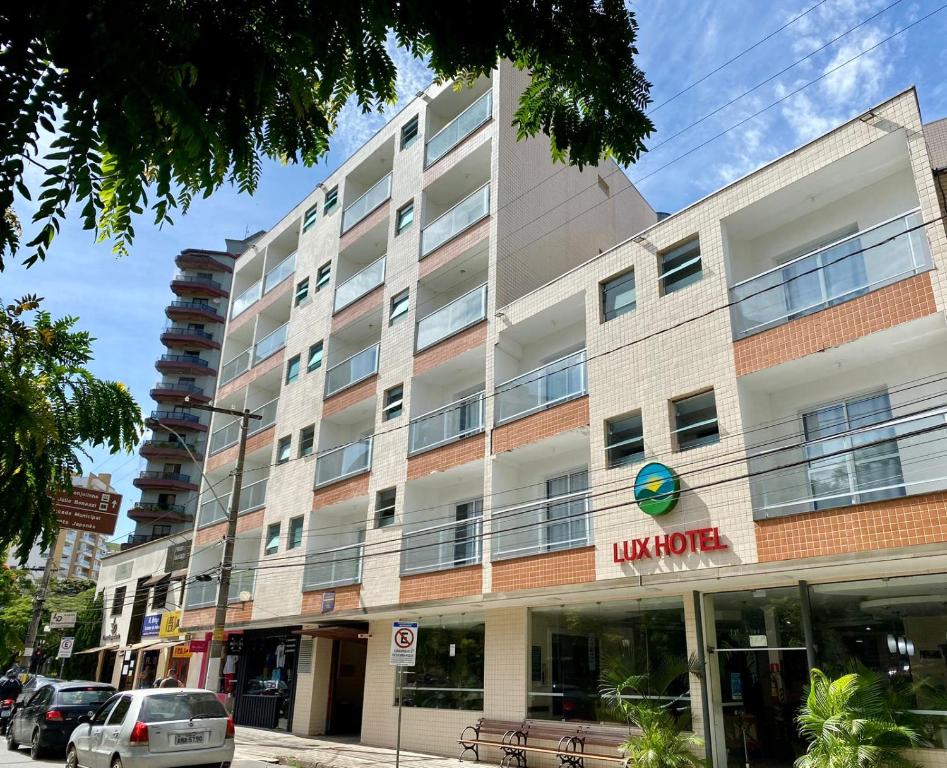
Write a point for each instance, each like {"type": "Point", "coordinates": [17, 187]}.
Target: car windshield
{"type": "Point", "coordinates": [162, 707]}
{"type": "Point", "coordinates": [81, 696]}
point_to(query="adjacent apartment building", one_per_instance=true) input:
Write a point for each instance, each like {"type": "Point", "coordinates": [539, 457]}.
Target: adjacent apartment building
{"type": "Point", "coordinates": [716, 440]}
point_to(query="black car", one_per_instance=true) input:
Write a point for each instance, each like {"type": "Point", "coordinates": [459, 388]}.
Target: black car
{"type": "Point", "coordinates": [46, 719]}
{"type": "Point", "coordinates": [34, 683]}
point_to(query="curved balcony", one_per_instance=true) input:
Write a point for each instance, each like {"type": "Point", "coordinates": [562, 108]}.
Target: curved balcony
{"type": "Point", "coordinates": [174, 336]}
{"type": "Point", "coordinates": [191, 285]}
{"type": "Point", "coordinates": [168, 449]}
{"type": "Point", "coordinates": [175, 420]}
{"type": "Point", "coordinates": [171, 514]}
{"type": "Point", "coordinates": [167, 390]}
{"type": "Point", "coordinates": [193, 310]}
{"type": "Point", "coordinates": [164, 481]}
{"type": "Point", "coordinates": [185, 364]}
{"type": "Point", "coordinates": [202, 261]}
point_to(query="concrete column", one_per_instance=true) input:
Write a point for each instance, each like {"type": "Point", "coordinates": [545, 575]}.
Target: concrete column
{"type": "Point", "coordinates": [506, 646]}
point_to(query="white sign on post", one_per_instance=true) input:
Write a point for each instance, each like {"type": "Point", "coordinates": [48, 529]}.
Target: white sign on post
{"type": "Point", "coordinates": [62, 620]}
{"type": "Point", "coordinates": [65, 648]}
{"type": "Point", "coordinates": [404, 643]}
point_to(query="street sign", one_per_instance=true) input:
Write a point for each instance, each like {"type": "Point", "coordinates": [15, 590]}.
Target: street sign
{"type": "Point", "coordinates": [88, 510]}
{"type": "Point", "coordinates": [62, 620]}
{"type": "Point", "coordinates": [151, 625]}
{"type": "Point", "coordinates": [404, 643]}
{"type": "Point", "coordinates": [65, 648]}
{"type": "Point", "coordinates": [170, 624]}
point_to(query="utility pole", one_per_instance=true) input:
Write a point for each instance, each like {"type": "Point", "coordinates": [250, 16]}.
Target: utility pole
{"type": "Point", "coordinates": [29, 647]}
{"type": "Point", "coordinates": [217, 650]}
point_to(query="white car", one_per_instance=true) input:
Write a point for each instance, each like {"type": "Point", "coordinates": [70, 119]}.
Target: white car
{"type": "Point", "coordinates": [154, 728]}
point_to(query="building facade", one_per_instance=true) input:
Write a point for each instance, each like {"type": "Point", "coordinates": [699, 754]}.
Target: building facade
{"type": "Point", "coordinates": [715, 441]}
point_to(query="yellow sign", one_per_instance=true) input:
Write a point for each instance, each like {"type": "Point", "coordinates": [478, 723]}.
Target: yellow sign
{"type": "Point", "coordinates": [170, 624]}
{"type": "Point", "coordinates": [180, 652]}
{"type": "Point", "coordinates": [219, 634]}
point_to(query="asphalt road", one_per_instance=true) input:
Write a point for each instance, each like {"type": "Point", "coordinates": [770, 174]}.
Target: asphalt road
{"type": "Point", "coordinates": [21, 759]}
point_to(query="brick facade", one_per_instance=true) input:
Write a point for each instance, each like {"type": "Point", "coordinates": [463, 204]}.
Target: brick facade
{"type": "Point", "coordinates": [343, 490]}
{"type": "Point", "coordinates": [368, 303]}
{"type": "Point", "coordinates": [442, 585]}
{"type": "Point", "coordinates": [203, 618]}
{"type": "Point", "coordinates": [447, 456]}
{"type": "Point", "coordinates": [539, 426]}
{"type": "Point", "coordinates": [228, 456]}
{"type": "Point", "coordinates": [350, 396]}
{"type": "Point", "coordinates": [552, 569]}
{"type": "Point", "coordinates": [457, 245]}
{"type": "Point", "coordinates": [347, 598]}
{"type": "Point", "coordinates": [469, 338]}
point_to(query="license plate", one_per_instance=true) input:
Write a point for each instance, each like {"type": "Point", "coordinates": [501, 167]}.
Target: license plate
{"type": "Point", "coordinates": [188, 738]}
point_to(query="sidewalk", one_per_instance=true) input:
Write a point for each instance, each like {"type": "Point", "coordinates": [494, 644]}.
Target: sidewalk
{"type": "Point", "coordinates": [287, 749]}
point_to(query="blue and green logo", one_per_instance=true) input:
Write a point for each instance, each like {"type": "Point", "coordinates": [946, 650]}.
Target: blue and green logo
{"type": "Point", "coordinates": [657, 489]}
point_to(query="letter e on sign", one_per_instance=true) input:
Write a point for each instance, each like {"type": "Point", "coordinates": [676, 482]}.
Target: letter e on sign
{"type": "Point", "coordinates": [404, 643]}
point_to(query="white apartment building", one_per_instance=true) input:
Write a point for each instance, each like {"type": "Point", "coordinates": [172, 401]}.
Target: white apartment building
{"type": "Point", "coordinates": [716, 439]}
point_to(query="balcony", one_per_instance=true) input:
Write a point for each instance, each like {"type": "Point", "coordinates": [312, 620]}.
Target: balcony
{"type": "Point", "coordinates": [184, 364]}
{"type": "Point", "coordinates": [447, 424]}
{"type": "Point", "coordinates": [233, 368]}
{"type": "Point", "coordinates": [839, 272]}
{"type": "Point", "coordinates": [202, 261]}
{"type": "Point", "coordinates": [458, 129]}
{"type": "Point", "coordinates": [270, 344]}
{"type": "Point", "coordinates": [543, 387]}
{"type": "Point", "coordinates": [246, 299]}
{"type": "Point", "coordinates": [145, 511]}
{"type": "Point", "coordinates": [335, 567]}
{"type": "Point", "coordinates": [461, 313]}
{"type": "Point", "coordinates": [252, 497]}
{"type": "Point", "coordinates": [230, 434]}
{"type": "Point", "coordinates": [448, 225]}
{"type": "Point", "coordinates": [193, 310]}
{"type": "Point", "coordinates": [368, 202]}
{"type": "Point", "coordinates": [164, 480]}
{"type": "Point", "coordinates": [345, 461]}
{"type": "Point", "coordinates": [359, 284]}
{"type": "Point", "coordinates": [286, 268]}
{"type": "Point", "coordinates": [175, 420]}
{"type": "Point", "coordinates": [440, 547]}
{"type": "Point", "coordinates": [167, 390]}
{"type": "Point", "coordinates": [552, 524]}
{"type": "Point", "coordinates": [352, 370]}
{"type": "Point", "coordinates": [191, 284]}
{"type": "Point", "coordinates": [192, 337]}
{"type": "Point", "coordinates": [170, 449]}
{"type": "Point", "coordinates": [137, 539]}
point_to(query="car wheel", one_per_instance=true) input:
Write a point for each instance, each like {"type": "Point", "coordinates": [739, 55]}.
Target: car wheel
{"type": "Point", "coordinates": [36, 749]}
{"type": "Point", "coordinates": [116, 762]}
{"type": "Point", "coordinates": [11, 742]}
{"type": "Point", "coordinates": [72, 758]}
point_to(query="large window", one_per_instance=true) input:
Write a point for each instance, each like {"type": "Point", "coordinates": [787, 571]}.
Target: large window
{"type": "Point", "coordinates": [448, 673]}
{"type": "Point", "coordinates": [571, 648]}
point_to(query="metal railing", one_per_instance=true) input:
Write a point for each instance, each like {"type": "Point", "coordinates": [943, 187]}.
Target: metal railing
{"type": "Point", "coordinates": [446, 424]}
{"type": "Point", "coordinates": [279, 273]}
{"type": "Point", "coordinates": [194, 448]}
{"type": "Point", "coordinates": [452, 318]}
{"type": "Point", "coordinates": [547, 525]}
{"type": "Point", "coordinates": [159, 416]}
{"type": "Point", "coordinates": [352, 370]}
{"type": "Point", "coordinates": [177, 477]}
{"type": "Point", "coordinates": [344, 461]}
{"type": "Point", "coordinates": [333, 567]}
{"type": "Point", "coordinates": [438, 547]}
{"type": "Point", "coordinates": [195, 306]}
{"type": "Point", "coordinates": [454, 221]}
{"type": "Point", "coordinates": [367, 203]}
{"type": "Point", "coordinates": [229, 435]}
{"type": "Point", "coordinates": [173, 386]}
{"type": "Point", "coordinates": [201, 281]}
{"type": "Point", "coordinates": [359, 284]}
{"type": "Point", "coordinates": [246, 299]}
{"type": "Point", "coordinates": [252, 496]}
{"type": "Point", "coordinates": [150, 506]}
{"type": "Point", "coordinates": [270, 344]}
{"type": "Point", "coordinates": [195, 333]}
{"type": "Point", "coordinates": [550, 384]}
{"type": "Point", "coordinates": [189, 359]}
{"type": "Point", "coordinates": [851, 267]}
{"type": "Point", "coordinates": [235, 366]}
{"type": "Point", "coordinates": [459, 129]}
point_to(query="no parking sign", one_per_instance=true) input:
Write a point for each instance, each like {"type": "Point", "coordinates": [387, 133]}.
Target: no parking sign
{"type": "Point", "coordinates": [404, 643]}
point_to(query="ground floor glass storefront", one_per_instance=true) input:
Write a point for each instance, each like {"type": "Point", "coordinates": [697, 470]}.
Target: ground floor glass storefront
{"type": "Point", "coordinates": [260, 672]}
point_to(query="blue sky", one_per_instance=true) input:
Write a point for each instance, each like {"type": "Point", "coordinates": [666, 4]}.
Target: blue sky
{"type": "Point", "coordinates": [121, 301]}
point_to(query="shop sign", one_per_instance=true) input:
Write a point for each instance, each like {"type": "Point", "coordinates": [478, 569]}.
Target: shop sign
{"type": "Point", "coordinates": [234, 645]}
{"type": "Point", "coordinates": [112, 635]}
{"type": "Point", "coordinates": [170, 624]}
{"type": "Point", "coordinates": [197, 646]}
{"type": "Point", "coordinates": [62, 620]}
{"type": "Point", "coordinates": [657, 489]}
{"type": "Point", "coordinates": [404, 643]}
{"type": "Point", "coordinates": [328, 601]}
{"type": "Point", "coordinates": [675, 544]}
{"type": "Point", "coordinates": [182, 651]}
{"type": "Point", "coordinates": [151, 625]}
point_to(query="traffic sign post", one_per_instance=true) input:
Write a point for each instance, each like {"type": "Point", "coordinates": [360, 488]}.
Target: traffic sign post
{"type": "Point", "coordinates": [403, 653]}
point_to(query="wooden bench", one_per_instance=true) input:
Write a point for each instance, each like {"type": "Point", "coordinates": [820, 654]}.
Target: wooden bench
{"type": "Point", "coordinates": [576, 742]}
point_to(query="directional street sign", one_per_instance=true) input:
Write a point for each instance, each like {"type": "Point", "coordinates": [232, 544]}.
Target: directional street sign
{"type": "Point", "coordinates": [65, 647]}
{"type": "Point", "coordinates": [62, 620]}
{"type": "Point", "coordinates": [88, 510]}
{"type": "Point", "coordinates": [404, 643]}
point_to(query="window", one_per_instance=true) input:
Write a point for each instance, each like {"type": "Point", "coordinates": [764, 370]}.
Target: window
{"type": "Point", "coordinates": [332, 199]}
{"type": "Point", "coordinates": [409, 132]}
{"type": "Point", "coordinates": [282, 449]}
{"type": "Point", "coordinates": [103, 712]}
{"type": "Point", "coordinates": [272, 539]}
{"type": "Point", "coordinates": [448, 672]}
{"type": "Point", "coordinates": [680, 267]}
{"type": "Point", "coordinates": [394, 400]}
{"type": "Point", "coordinates": [159, 598]}
{"type": "Point", "coordinates": [307, 438]}
{"type": "Point", "coordinates": [292, 369]}
{"type": "Point", "coordinates": [695, 421]}
{"type": "Point", "coordinates": [295, 538]}
{"type": "Point", "coordinates": [121, 710]}
{"type": "Point", "coordinates": [302, 291]}
{"type": "Point", "coordinates": [309, 217]}
{"type": "Point", "coordinates": [618, 296]}
{"type": "Point", "coordinates": [404, 218]}
{"type": "Point", "coordinates": [567, 521]}
{"type": "Point", "coordinates": [118, 601]}
{"type": "Point", "coordinates": [571, 648]}
{"type": "Point", "coordinates": [322, 276]}
{"type": "Point", "coordinates": [385, 507]}
{"type": "Point", "coordinates": [624, 440]}
{"type": "Point", "coordinates": [399, 307]}
{"type": "Point", "coordinates": [315, 357]}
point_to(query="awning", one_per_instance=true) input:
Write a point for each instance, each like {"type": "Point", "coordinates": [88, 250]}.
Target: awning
{"type": "Point", "coordinates": [156, 579]}
{"type": "Point", "coordinates": [180, 573]}
{"type": "Point", "coordinates": [97, 649]}
{"type": "Point", "coordinates": [339, 631]}
{"type": "Point", "coordinates": [142, 645]}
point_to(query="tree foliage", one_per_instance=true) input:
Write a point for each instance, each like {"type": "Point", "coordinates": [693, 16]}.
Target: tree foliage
{"type": "Point", "coordinates": [153, 102]}
{"type": "Point", "coordinates": [52, 407]}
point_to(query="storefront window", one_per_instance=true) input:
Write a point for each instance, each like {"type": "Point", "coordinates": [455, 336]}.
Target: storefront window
{"type": "Point", "coordinates": [897, 628]}
{"type": "Point", "coordinates": [449, 669]}
{"type": "Point", "coordinates": [571, 648]}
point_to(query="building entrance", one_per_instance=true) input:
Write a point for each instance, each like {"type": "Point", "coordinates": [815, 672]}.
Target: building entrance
{"type": "Point", "coordinates": [347, 687]}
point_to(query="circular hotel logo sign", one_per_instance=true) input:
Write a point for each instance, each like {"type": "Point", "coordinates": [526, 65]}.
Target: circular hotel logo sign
{"type": "Point", "coordinates": [657, 489]}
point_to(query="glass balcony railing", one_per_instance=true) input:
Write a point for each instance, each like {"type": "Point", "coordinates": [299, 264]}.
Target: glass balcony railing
{"type": "Point", "coordinates": [439, 547]}
{"type": "Point", "coordinates": [247, 299]}
{"type": "Point", "coordinates": [201, 594]}
{"type": "Point", "coordinates": [270, 344]}
{"type": "Point", "coordinates": [197, 281]}
{"type": "Point", "coordinates": [367, 203]}
{"type": "Point", "coordinates": [446, 424]}
{"type": "Point", "coordinates": [345, 461]}
{"type": "Point", "coordinates": [359, 284]}
{"type": "Point", "coordinates": [191, 333]}
{"type": "Point", "coordinates": [547, 525]}
{"type": "Point", "coordinates": [241, 581]}
{"type": "Point", "coordinates": [176, 477]}
{"type": "Point", "coordinates": [195, 306]}
{"type": "Point", "coordinates": [184, 360]}
{"type": "Point", "coordinates": [279, 273]}
{"type": "Point", "coordinates": [234, 367]}
{"type": "Point", "coordinates": [556, 382]}
{"type": "Point", "coordinates": [333, 567]}
{"type": "Point", "coordinates": [252, 496]}
{"type": "Point", "coordinates": [159, 416]}
{"type": "Point", "coordinates": [852, 267]}
{"type": "Point", "coordinates": [887, 459]}
{"type": "Point", "coordinates": [450, 224]}
{"type": "Point", "coordinates": [459, 129]}
{"type": "Point", "coordinates": [452, 318]}
{"type": "Point", "coordinates": [352, 370]}
{"type": "Point", "coordinates": [230, 434]}
{"type": "Point", "coordinates": [174, 386]}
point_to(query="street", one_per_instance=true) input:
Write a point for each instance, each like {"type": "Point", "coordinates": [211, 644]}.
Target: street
{"type": "Point", "coordinates": [21, 759]}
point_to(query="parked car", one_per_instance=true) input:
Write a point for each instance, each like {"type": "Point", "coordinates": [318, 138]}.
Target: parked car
{"type": "Point", "coordinates": [34, 683]}
{"type": "Point", "coordinates": [154, 728]}
{"type": "Point", "coordinates": [47, 718]}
